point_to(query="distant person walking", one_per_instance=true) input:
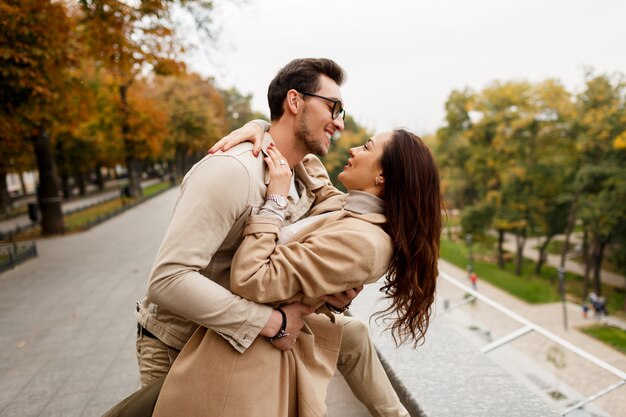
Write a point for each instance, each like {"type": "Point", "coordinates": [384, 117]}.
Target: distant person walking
{"type": "Point", "coordinates": [474, 280]}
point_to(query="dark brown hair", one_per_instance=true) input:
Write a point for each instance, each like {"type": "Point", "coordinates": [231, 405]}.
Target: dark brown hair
{"type": "Point", "coordinates": [413, 206]}
{"type": "Point", "coordinates": [301, 75]}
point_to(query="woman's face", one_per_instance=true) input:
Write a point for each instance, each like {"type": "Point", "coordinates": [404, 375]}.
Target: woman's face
{"type": "Point", "coordinates": [364, 165]}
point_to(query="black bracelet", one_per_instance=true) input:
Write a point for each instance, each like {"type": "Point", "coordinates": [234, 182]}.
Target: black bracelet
{"type": "Point", "coordinates": [281, 333]}
{"type": "Point", "coordinates": [338, 310]}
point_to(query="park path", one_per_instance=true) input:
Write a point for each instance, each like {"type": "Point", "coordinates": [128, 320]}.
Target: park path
{"type": "Point", "coordinates": [527, 357]}
{"type": "Point", "coordinates": [67, 319]}
{"type": "Point", "coordinates": [530, 252]}
{"type": "Point", "coordinates": [67, 206]}
{"type": "Point", "coordinates": [68, 327]}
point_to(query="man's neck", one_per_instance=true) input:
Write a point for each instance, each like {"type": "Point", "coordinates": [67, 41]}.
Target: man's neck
{"type": "Point", "coordinates": [283, 135]}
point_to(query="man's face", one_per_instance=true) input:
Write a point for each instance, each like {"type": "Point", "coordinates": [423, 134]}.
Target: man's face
{"type": "Point", "coordinates": [315, 125]}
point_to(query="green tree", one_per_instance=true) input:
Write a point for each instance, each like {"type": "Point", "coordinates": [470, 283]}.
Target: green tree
{"type": "Point", "coordinates": [453, 150]}
{"type": "Point", "coordinates": [238, 109]}
{"type": "Point", "coordinates": [600, 183]}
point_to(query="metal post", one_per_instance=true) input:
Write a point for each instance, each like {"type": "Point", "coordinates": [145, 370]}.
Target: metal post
{"type": "Point", "coordinates": [470, 263]}
{"type": "Point", "coordinates": [561, 272]}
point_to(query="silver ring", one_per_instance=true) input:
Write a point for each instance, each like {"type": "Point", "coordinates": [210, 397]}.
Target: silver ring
{"type": "Point", "coordinates": [283, 162]}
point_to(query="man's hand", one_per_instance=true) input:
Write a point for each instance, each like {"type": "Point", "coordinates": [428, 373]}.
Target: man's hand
{"type": "Point", "coordinates": [342, 299]}
{"type": "Point", "coordinates": [294, 313]}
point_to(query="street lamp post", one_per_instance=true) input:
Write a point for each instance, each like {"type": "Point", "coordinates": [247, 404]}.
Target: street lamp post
{"type": "Point", "coordinates": [470, 262]}
{"type": "Point", "coordinates": [561, 272]}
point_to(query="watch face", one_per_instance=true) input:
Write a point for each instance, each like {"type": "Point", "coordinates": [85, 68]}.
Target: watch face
{"type": "Point", "coordinates": [282, 201]}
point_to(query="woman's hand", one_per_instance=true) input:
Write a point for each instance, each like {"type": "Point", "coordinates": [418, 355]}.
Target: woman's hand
{"type": "Point", "coordinates": [280, 172]}
{"type": "Point", "coordinates": [342, 300]}
{"type": "Point", "coordinates": [251, 132]}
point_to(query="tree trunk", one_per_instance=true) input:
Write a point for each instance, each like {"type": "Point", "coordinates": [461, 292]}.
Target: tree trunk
{"type": "Point", "coordinates": [571, 220]}
{"type": "Point", "coordinates": [587, 263]}
{"type": "Point", "coordinates": [597, 266]}
{"type": "Point", "coordinates": [543, 257]}
{"type": "Point", "coordinates": [48, 195]}
{"type": "Point", "coordinates": [82, 185]}
{"type": "Point", "coordinates": [134, 178]}
{"type": "Point", "coordinates": [99, 178]}
{"type": "Point", "coordinates": [519, 262]}
{"type": "Point", "coordinates": [179, 161]}
{"type": "Point", "coordinates": [22, 184]}
{"type": "Point", "coordinates": [501, 264]}
{"type": "Point", "coordinates": [188, 163]}
{"type": "Point", "coordinates": [65, 185]}
{"type": "Point", "coordinates": [625, 290]}
{"type": "Point", "coordinates": [64, 171]}
{"type": "Point", "coordinates": [5, 198]}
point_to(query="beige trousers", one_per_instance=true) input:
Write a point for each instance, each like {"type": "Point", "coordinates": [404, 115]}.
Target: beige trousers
{"type": "Point", "coordinates": [358, 363]}
{"type": "Point", "coordinates": [155, 358]}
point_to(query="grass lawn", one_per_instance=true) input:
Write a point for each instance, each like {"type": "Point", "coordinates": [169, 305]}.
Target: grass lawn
{"type": "Point", "coordinates": [13, 212]}
{"type": "Point", "coordinates": [610, 335]}
{"type": "Point", "coordinates": [528, 287]}
{"type": "Point", "coordinates": [155, 188]}
{"type": "Point", "coordinates": [555, 247]}
{"type": "Point", "coordinates": [80, 220]}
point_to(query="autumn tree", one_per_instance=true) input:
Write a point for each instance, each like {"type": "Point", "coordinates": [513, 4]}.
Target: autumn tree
{"type": "Point", "coordinates": [196, 113]}
{"type": "Point", "coordinates": [35, 58]}
{"type": "Point", "coordinates": [131, 38]}
{"type": "Point", "coordinates": [95, 141]}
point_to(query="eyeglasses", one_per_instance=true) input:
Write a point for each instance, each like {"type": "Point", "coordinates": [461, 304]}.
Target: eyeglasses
{"type": "Point", "coordinates": [337, 106]}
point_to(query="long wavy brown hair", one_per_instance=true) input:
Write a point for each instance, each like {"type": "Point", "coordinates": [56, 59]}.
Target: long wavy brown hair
{"type": "Point", "coordinates": [413, 206]}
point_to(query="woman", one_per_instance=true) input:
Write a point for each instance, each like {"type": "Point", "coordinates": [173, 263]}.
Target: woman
{"type": "Point", "coordinates": [389, 221]}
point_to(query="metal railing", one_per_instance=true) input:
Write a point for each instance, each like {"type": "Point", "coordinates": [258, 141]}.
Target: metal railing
{"type": "Point", "coordinates": [527, 327]}
{"type": "Point", "coordinates": [13, 254]}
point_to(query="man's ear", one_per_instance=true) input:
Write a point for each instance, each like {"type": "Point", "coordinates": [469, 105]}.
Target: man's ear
{"type": "Point", "coordinates": [292, 101]}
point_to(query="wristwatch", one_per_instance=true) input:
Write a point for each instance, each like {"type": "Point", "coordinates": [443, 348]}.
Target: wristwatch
{"type": "Point", "coordinates": [280, 200]}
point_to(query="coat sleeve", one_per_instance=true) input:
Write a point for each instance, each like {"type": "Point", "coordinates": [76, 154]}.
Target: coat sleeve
{"type": "Point", "coordinates": [316, 170]}
{"type": "Point", "coordinates": [213, 196]}
{"type": "Point", "coordinates": [339, 255]}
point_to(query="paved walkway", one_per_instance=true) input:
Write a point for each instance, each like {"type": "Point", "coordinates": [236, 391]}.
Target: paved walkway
{"type": "Point", "coordinates": [67, 319]}
{"type": "Point", "coordinates": [532, 358]}
{"type": "Point", "coordinates": [68, 206]}
{"type": "Point", "coordinates": [67, 324]}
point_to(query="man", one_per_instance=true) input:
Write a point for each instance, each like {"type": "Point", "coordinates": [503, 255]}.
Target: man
{"type": "Point", "coordinates": [190, 278]}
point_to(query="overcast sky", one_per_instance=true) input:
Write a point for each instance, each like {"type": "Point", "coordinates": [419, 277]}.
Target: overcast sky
{"type": "Point", "coordinates": [404, 57]}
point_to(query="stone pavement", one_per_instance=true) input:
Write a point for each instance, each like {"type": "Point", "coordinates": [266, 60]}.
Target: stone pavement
{"type": "Point", "coordinates": [67, 319]}
{"type": "Point", "coordinates": [534, 360]}
{"type": "Point", "coordinates": [67, 324]}
{"type": "Point", "coordinates": [447, 375]}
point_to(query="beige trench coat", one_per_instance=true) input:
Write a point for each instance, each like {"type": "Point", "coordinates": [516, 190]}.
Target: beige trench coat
{"type": "Point", "coordinates": [209, 378]}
